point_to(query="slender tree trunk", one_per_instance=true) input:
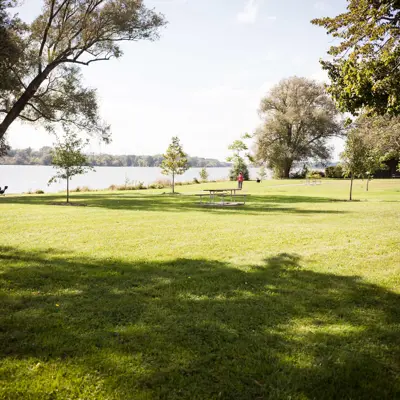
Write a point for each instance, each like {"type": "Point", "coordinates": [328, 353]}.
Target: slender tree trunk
{"type": "Point", "coordinates": [367, 183]}
{"type": "Point", "coordinates": [26, 96]}
{"type": "Point", "coordinates": [351, 188]}
{"type": "Point", "coordinates": [173, 182]}
{"type": "Point", "coordinates": [67, 189]}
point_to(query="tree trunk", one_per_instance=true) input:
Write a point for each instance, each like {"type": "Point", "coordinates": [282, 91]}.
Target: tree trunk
{"type": "Point", "coordinates": [67, 189]}
{"type": "Point", "coordinates": [367, 183]}
{"type": "Point", "coordinates": [20, 104]}
{"type": "Point", "coordinates": [351, 188]}
{"type": "Point", "coordinates": [173, 182]}
{"type": "Point", "coordinates": [286, 169]}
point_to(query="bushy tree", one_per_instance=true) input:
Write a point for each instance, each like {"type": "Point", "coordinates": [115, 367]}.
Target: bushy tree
{"type": "Point", "coordinates": [298, 119]}
{"type": "Point", "coordinates": [46, 81]}
{"type": "Point", "coordinates": [365, 71]}
{"type": "Point", "coordinates": [203, 174]}
{"type": "Point", "coordinates": [69, 159]}
{"type": "Point", "coordinates": [175, 161]}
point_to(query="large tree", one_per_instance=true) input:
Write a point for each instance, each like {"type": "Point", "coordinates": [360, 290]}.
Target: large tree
{"type": "Point", "coordinates": [365, 69]}
{"type": "Point", "coordinates": [69, 34]}
{"type": "Point", "coordinates": [298, 119]}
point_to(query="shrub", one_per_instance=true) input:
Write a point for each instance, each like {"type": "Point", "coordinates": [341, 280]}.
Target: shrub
{"type": "Point", "coordinates": [334, 172]}
{"type": "Point", "coordinates": [195, 180]}
{"type": "Point", "coordinates": [316, 174]}
{"type": "Point", "coordinates": [39, 191]}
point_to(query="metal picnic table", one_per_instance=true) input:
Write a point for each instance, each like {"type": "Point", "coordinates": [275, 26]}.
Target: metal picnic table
{"type": "Point", "coordinates": [215, 193]}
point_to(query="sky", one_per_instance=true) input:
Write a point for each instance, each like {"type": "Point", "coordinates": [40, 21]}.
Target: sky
{"type": "Point", "coordinates": [204, 79]}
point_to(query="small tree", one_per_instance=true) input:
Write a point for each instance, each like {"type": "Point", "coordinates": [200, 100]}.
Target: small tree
{"type": "Point", "coordinates": [68, 158]}
{"type": "Point", "coordinates": [359, 159]}
{"type": "Point", "coordinates": [262, 173]}
{"type": "Point", "coordinates": [175, 161]}
{"type": "Point", "coordinates": [239, 164]}
{"type": "Point", "coordinates": [204, 174]}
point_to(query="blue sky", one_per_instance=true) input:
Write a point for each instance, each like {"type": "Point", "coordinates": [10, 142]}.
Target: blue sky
{"type": "Point", "coordinates": [204, 79]}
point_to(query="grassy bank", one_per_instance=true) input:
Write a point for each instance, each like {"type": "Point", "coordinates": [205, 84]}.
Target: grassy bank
{"type": "Point", "coordinates": [149, 296]}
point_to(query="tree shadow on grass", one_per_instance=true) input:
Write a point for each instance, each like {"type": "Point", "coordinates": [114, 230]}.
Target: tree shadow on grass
{"type": "Point", "coordinates": [193, 329]}
{"type": "Point", "coordinates": [183, 203]}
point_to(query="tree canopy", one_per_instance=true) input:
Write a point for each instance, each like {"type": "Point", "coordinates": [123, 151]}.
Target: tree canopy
{"type": "Point", "coordinates": [298, 119]}
{"type": "Point", "coordinates": [47, 85]}
{"type": "Point", "coordinates": [365, 70]}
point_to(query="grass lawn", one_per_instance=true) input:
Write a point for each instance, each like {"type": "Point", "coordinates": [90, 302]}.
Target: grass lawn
{"type": "Point", "coordinates": [142, 295]}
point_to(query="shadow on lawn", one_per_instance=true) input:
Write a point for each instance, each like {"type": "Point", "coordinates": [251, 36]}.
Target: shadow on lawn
{"type": "Point", "coordinates": [197, 329]}
{"type": "Point", "coordinates": [181, 203]}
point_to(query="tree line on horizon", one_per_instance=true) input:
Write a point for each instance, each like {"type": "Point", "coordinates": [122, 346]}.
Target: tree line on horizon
{"type": "Point", "coordinates": [44, 156]}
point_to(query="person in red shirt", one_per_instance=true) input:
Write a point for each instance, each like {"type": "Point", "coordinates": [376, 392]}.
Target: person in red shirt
{"type": "Point", "coordinates": [240, 180]}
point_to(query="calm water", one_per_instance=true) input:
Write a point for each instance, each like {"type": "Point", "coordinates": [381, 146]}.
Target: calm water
{"type": "Point", "coordinates": [24, 178]}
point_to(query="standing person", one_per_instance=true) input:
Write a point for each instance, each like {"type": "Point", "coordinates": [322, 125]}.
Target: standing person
{"type": "Point", "coordinates": [240, 180]}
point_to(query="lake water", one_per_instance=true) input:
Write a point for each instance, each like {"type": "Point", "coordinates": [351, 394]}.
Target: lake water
{"type": "Point", "coordinates": [25, 178]}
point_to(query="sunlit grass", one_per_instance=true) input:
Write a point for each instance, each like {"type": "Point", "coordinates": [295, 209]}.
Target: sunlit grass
{"type": "Point", "coordinates": [143, 295]}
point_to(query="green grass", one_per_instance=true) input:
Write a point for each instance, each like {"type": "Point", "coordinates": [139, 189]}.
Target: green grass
{"type": "Point", "coordinates": [142, 295]}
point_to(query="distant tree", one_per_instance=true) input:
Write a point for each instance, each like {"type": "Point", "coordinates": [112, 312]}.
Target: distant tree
{"type": "Point", "coordinates": [4, 147]}
{"type": "Point", "coordinates": [365, 71]}
{"type": "Point", "coordinates": [359, 159]}
{"type": "Point", "coordinates": [46, 81]}
{"type": "Point", "coordinates": [298, 119]}
{"type": "Point", "coordinates": [262, 173]}
{"type": "Point", "coordinates": [204, 174]}
{"type": "Point", "coordinates": [175, 161]}
{"type": "Point", "coordinates": [239, 147]}
{"type": "Point", "coordinates": [68, 159]}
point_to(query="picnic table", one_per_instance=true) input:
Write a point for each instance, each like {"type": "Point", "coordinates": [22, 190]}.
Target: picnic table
{"type": "Point", "coordinates": [215, 194]}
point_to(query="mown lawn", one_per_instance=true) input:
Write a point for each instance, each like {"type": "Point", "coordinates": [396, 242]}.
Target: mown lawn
{"type": "Point", "coordinates": [142, 295]}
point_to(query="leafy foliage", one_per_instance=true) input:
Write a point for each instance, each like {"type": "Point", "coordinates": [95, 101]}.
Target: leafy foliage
{"type": "Point", "coordinates": [4, 147]}
{"type": "Point", "coordinates": [175, 161]}
{"type": "Point", "coordinates": [238, 147]}
{"type": "Point", "coordinates": [262, 173]}
{"type": "Point", "coordinates": [360, 158]}
{"type": "Point", "coordinates": [298, 119]}
{"type": "Point", "coordinates": [365, 71]}
{"type": "Point", "coordinates": [203, 174]}
{"type": "Point", "coordinates": [68, 158]}
{"type": "Point", "coordinates": [334, 172]}
{"type": "Point", "coordinates": [47, 85]}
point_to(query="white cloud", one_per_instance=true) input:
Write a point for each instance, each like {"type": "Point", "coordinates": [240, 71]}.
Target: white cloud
{"type": "Point", "coordinates": [249, 13]}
